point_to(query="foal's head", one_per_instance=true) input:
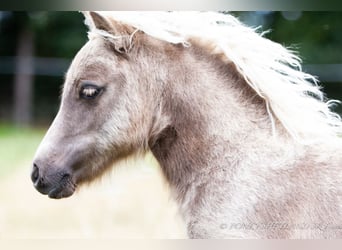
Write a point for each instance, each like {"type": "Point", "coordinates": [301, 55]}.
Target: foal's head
{"type": "Point", "coordinates": [108, 110]}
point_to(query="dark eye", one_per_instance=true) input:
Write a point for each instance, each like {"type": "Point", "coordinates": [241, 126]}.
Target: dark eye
{"type": "Point", "coordinates": [90, 91]}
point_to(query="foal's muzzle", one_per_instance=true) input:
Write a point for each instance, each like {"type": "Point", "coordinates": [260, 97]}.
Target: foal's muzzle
{"type": "Point", "coordinates": [56, 185]}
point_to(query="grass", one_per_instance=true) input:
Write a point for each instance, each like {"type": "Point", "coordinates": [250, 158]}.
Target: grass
{"type": "Point", "coordinates": [17, 146]}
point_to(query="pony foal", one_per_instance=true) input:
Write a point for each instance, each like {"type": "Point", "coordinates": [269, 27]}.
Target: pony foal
{"type": "Point", "coordinates": [244, 138]}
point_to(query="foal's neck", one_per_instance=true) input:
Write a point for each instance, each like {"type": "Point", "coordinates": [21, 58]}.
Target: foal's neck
{"type": "Point", "coordinates": [212, 112]}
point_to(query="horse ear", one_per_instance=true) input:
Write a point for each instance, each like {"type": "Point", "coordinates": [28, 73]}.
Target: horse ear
{"type": "Point", "coordinates": [96, 21]}
{"type": "Point", "coordinates": [122, 42]}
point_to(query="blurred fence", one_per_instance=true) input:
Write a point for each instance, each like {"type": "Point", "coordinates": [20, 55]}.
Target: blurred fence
{"type": "Point", "coordinates": [19, 76]}
{"type": "Point", "coordinates": [325, 72]}
{"type": "Point", "coordinates": [42, 66]}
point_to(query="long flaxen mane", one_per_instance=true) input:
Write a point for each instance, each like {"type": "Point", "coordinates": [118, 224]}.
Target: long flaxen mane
{"type": "Point", "coordinates": [293, 98]}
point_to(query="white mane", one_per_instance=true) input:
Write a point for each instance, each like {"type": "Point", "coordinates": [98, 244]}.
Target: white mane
{"type": "Point", "coordinates": [273, 71]}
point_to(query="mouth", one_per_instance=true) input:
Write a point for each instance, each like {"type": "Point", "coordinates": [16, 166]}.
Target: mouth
{"type": "Point", "coordinates": [61, 192]}
{"type": "Point", "coordinates": [63, 189]}
{"type": "Point", "coordinates": [66, 187]}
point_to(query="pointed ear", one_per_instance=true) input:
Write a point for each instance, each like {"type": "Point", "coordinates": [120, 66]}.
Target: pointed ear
{"type": "Point", "coordinates": [96, 21]}
{"type": "Point", "coordinates": [121, 34]}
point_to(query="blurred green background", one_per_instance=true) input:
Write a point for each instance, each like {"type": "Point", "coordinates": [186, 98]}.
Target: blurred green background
{"type": "Point", "coordinates": [36, 49]}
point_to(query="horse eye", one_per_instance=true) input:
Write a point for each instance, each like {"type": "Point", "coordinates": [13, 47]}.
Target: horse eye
{"type": "Point", "coordinates": [90, 91]}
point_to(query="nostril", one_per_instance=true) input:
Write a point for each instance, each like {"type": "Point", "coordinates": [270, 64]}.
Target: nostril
{"type": "Point", "coordinates": [35, 173]}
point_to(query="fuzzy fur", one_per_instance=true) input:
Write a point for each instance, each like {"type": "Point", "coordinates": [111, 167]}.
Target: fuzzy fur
{"type": "Point", "coordinates": [243, 137]}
